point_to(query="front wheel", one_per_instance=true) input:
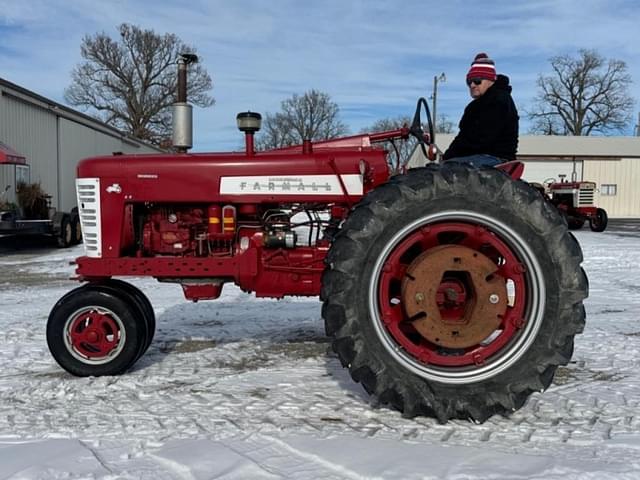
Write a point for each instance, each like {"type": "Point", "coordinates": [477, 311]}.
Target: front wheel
{"type": "Point", "coordinates": [454, 292]}
{"type": "Point", "coordinates": [96, 330]}
{"type": "Point", "coordinates": [598, 223]}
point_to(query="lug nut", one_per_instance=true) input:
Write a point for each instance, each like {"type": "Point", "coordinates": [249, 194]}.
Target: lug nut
{"type": "Point", "coordinates": [493, 298]}
{"type": "Point", "coordinates": [419, 297]}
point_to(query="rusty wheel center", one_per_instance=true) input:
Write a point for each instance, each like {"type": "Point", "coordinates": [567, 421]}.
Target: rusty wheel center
{"type": "Point", "coordinates": [453, 296]}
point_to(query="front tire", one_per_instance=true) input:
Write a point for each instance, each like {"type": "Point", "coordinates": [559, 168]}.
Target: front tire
{"type": "Point", "coordinates": [94, 331]}
{"type": "Point", "coordinates": [441, 293]}
{"type": "Point", "coordinates": [600, 221]}
{"type": "Point", "coordinates": [142, 302]}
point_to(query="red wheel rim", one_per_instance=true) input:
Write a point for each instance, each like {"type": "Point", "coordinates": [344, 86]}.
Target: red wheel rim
{"type": "Point", "coordinates": [425, 239]}
{"type": "Point", "coordinates": [94, 335]}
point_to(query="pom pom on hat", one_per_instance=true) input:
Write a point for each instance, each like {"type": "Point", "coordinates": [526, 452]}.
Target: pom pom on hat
{"type": "Point", "coordinates": [482, 67]}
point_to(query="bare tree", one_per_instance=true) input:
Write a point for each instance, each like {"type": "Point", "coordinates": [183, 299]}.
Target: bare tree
{"type": "Point", "coordinates": [584, 95]}
{"type": "Point", "coordinates": [399, 150]}
{"type": "Point", "coordinates": [130, 83]}
{"type": "Point", "coordinates": [444, 125]}
{"type": "Point", "coordinates": [312, 116]}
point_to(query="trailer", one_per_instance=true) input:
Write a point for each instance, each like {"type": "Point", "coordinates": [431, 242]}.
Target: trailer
{"type": "Point", "coordinates": [44, 220]}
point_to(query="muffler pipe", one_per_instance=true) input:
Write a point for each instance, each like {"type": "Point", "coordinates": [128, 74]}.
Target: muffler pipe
{"type": "Point", "coordinates": [182, 111]}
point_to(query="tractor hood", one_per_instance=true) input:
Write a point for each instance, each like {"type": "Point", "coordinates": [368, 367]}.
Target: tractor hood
{"type": "Point", "coordinates": [263, 177]}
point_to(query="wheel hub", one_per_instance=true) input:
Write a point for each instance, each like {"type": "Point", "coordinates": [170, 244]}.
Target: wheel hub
{"type": "Point", "coordinates": [94, 335]}
{"type": "Point", "coordinates": [453, 296]}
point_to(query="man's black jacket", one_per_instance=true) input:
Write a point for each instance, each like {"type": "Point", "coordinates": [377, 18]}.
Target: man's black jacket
{"type": "Point", "coordinates": [489, 125]}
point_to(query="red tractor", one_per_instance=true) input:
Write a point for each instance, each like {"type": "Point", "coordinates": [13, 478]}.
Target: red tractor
{"type": "Point", "coordinates": [448, 291]}
{"type": "Point", "coordinates": [576, 201]}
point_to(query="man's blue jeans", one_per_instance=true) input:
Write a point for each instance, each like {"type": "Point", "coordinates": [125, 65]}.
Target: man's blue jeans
{"type": "Point", "coordinates": [480, 160]}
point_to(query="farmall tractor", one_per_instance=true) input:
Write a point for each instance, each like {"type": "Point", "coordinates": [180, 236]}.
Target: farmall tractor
{"type": "Point", "coordinates": [448, 291]}
{"type": "Point", "coordinates": [576, 201]}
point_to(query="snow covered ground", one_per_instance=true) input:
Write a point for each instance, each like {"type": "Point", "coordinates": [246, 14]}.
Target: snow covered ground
{"type": "Point", "coordinates": [245, 388]}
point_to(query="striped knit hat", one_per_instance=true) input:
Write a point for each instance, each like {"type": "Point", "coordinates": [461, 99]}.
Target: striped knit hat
{"type": "Point", "coordinates": [482, 67]}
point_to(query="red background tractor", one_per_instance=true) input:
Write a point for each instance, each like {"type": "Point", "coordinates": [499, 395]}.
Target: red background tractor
{"type": "Point", "coordinates": [576, 201]}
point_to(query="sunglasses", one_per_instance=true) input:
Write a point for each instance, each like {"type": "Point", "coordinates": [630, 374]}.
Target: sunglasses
{"type": "Point", "coordinates": [475, 81]}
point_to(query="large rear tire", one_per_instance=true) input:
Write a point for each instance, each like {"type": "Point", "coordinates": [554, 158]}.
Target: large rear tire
{"type": "Point", "coordinates": [454, 292]}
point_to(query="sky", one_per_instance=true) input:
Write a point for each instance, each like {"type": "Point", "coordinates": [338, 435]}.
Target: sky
{"type": "Point", "coordinates": [375, 58]}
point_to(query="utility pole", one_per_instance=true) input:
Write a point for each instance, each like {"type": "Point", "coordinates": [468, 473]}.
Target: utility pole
{"type": "Point", "coordinates": [436, 79]}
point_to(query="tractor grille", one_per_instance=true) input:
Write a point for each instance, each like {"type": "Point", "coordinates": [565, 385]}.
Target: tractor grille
{"type": "Point", "coordinates": [586, 196]}
{"type": "Point", "coordinates": [88, 191]}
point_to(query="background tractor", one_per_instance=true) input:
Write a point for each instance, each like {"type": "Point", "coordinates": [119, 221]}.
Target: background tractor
{"type": "Point", "coordinates": [576, 201]}
{"type": "Point", "coordinates": [448, 291]}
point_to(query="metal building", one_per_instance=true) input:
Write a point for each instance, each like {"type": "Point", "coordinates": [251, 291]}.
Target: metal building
{"type": "Point", "coordinates": [53, 138]}
{"type": "Point", "coordinates": [612, 162]}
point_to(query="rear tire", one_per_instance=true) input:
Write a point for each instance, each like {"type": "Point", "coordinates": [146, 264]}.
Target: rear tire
{"type": "Point", "coordinates": [600, 221]}
{"type": "Point", "coordinates": [575, 223]}
{"type": "Point", "coordinates": [400, 231]}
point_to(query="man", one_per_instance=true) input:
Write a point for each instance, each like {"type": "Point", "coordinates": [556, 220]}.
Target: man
{"type": "Point", "coordinates": [489, 126]}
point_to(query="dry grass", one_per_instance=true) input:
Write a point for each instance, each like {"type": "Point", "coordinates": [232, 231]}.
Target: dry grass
{"type": "Point", "coordinates": [33, 200]}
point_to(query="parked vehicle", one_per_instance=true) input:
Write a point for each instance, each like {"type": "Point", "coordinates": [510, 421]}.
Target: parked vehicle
{"type": "Point", "coordinates": [34, 215]}
{"type": "Point", "coordinates": [576, 201]}
{"type": "Point", "coordinates": [448, 291]}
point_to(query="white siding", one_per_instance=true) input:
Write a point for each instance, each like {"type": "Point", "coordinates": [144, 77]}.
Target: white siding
{"type": "Point", "coordinates": [78, 141]}
{"type": "Point", "coordinates": [54, 139]}
{"type": "Point", "coordinates": [625, 174]}
{"type": "Point", "coordinates": [31, 131]}
{"type": "Point", "coordinates": [618, 170]}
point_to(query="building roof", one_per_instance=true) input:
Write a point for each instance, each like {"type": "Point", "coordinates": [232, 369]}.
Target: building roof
{"type": "Point", "coordinates": [555, 146]}
{"type": "Point", "coordinates": [21, 93]}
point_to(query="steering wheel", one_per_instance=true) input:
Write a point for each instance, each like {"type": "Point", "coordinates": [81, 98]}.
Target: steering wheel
{"type": "Point", "coordinates": [416, 125]}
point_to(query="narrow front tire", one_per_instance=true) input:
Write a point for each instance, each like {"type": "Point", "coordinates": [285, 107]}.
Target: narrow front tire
{"type": "Point", "coordinates": [95, 332]}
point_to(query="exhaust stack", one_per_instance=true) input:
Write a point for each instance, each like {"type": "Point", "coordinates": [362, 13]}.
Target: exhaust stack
{"type": "Point", "coordinates": [182, 111]}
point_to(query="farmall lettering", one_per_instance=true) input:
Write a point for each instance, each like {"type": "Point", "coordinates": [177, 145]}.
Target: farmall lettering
{"type": "Point", "coordinates": [297, 185]}
{"type": "Point", "coordinates": [413, 271]}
